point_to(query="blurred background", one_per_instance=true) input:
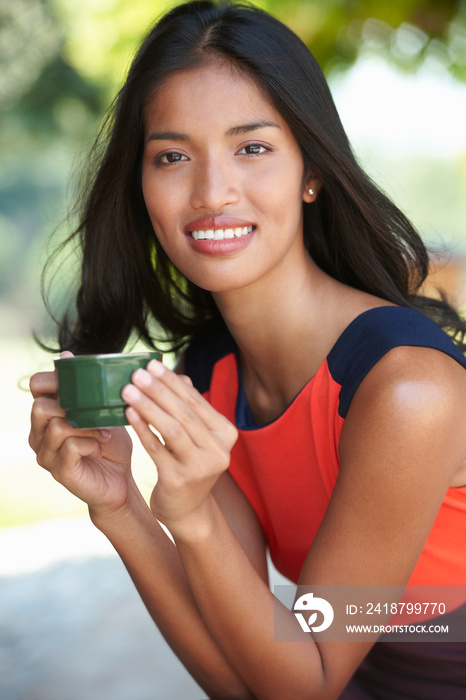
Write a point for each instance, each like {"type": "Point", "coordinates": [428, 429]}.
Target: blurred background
{"type": "Point", "coordinates": [71, 625]}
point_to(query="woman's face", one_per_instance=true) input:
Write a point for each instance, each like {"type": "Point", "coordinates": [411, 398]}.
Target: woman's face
{"type": "Point", "coordinates": [222, 178]}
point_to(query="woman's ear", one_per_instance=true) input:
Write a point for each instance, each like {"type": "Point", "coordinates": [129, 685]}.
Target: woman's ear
{"type": "Point", "coordinates": [311, 188]}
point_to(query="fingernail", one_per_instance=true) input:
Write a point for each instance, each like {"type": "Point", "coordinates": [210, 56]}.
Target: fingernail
{"type": "Point", "coordinates": [131, 414]}
{"type": "Point", "coordinates": [130, 393]}
{"type": "Point", "coordinates": [141, 377]}
{"type": "Point", "coordinates": [106, 434]}
{"type": "Point", "coordinates": [156, 368]}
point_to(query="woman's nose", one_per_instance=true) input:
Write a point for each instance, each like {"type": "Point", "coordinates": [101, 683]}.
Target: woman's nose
{"type": "Point", "coordinates": [213, 187]}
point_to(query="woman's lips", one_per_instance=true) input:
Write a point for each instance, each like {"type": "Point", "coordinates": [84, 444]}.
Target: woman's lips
{"type": "Point", "coordinates": [216, 243]}
{"type": "Point", "coordinates": [219, 235]}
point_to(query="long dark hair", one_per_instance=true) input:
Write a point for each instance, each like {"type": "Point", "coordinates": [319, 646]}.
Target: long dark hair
{"type": "Point", "coordinates": [352, 230]}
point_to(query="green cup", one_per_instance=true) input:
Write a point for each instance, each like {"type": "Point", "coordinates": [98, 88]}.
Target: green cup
{"type": "Point", "coordinates": [89, 387]}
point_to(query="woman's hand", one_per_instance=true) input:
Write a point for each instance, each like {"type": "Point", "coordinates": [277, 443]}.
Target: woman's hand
{"type": "Point", "coordinates": [94, 465]}
{"type": "Point", "coordinates": [197, 438]}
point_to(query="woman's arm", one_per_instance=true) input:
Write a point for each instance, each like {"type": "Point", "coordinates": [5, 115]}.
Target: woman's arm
{"type": "Point", "coordinates": [402, 443]}
{"type": "Point", "coordinates": [95, 466]}
{"type": "Point", "coordinates": [153, 563]}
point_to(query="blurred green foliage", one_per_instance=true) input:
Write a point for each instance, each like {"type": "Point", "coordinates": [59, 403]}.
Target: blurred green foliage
{"type": "Point", "coordinates": [54, 50]}
{"type": "Point", "coordinates": [403, 30]}
{"type": "Point", "coordinates": [62, 61]}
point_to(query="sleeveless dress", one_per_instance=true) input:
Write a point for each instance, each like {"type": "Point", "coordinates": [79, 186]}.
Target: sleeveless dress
{"type": "Point", "coordinates": [287, 470]}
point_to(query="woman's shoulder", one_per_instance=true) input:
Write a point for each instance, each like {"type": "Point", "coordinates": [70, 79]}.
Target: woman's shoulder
{"type": "Point", "coordinates": [374, 333]}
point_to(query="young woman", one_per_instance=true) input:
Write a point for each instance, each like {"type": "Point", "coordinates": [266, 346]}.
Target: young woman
{"type": "Point", "coordinates": [316, 410]}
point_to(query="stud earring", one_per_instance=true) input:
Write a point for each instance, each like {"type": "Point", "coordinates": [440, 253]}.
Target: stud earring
{"type": "Point", "coordinates": [311, 191]}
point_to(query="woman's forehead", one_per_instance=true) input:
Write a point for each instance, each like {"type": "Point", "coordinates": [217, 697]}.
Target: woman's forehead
{"type": "Point", "coordinates": [218, 86]}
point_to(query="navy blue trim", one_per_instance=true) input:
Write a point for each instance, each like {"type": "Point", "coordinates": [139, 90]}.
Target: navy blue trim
{"type": "Point", "coordinates": [371, 335]}
{"type": "Point", "coordinates": [202, 355]}
{"type": "Point", "coordinates": [244, 420]}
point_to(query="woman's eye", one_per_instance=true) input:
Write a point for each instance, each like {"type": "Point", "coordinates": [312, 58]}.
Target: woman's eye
{"type": "Point", "coordinates": [169, 158]}
{"type": "Point", "coordinates": [253, 149]}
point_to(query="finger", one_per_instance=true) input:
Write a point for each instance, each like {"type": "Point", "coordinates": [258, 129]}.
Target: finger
{"type": "Point", "coordinates": [46, 383]}
{"type": "Point", "coordinates": [57, 433]}
{"type": "Point", "coordinates": [67, 460]}
{"type": "Point", "coordinates": [177, 437]}
{"type": "Point", "coordinates": [183, 388]}
{"type": "Point", "coordinates": [184, 378]}
{"type": "Point", "coordinates": [49, 431]}
{"type": "Point", "coordinates": [149, 440]}
{"type": "Point", "coordinates": [43, 384]}
{"type": "Point", "coordinates": [43, 410]}
{"type": "Point", "coordinates": [197, 464]}
{"type": "Point", "coordinates": [185, 407]}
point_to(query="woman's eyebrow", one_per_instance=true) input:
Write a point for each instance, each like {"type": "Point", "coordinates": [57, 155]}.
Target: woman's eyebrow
{"type": "Point", "coordinates": [245, 128]}
{"type": "Point", "coordinates": [234, 131]}
{"type": "Point", "coordinates": [166, 136]}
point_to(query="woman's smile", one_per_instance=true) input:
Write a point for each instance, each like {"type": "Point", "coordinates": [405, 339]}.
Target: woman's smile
{"type": "Point", "coordinates": [219, 235]}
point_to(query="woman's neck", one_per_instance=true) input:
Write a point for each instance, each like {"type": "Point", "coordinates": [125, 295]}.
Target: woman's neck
{"type": "Point", "coordinates": [283, 326]}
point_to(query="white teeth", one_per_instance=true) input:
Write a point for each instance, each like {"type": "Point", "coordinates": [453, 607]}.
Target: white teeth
{"type": "Point", "coordinates": [220, 234]}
